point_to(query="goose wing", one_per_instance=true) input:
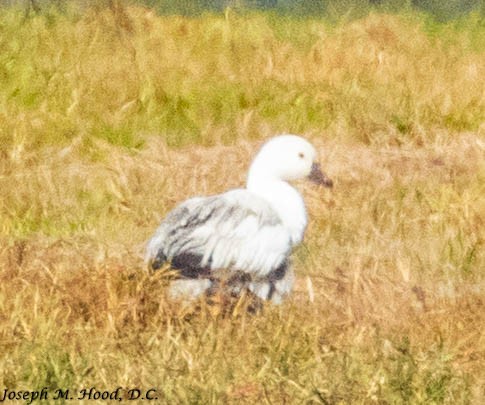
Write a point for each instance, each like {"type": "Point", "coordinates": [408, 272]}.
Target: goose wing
{"type": "Point", "coordinates": [235, 231]}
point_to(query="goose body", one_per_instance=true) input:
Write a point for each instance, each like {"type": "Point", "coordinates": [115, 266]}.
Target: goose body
{"type": "Point", "coordinates": [244, 236]}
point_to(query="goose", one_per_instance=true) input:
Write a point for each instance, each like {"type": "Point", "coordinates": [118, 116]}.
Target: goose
{"type": "Point", "coordinates": [241, 240]}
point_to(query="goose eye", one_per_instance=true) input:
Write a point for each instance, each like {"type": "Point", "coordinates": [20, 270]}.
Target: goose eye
{"type": "Point", "coordinates": [301, 155]}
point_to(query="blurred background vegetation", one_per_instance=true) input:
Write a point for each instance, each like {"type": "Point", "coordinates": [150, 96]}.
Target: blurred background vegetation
{"type": "Point", "coordinates": [376, 71]}
{"type": "Point", "coordinates": [441, 10]}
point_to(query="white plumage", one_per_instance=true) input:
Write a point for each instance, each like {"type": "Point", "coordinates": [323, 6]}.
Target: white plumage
{"type": "Point", "coordinates": [241, 239]}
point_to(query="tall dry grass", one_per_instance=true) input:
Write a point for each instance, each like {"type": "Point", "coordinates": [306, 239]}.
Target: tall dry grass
{"type": "Point", "coordinates": [390, 291]}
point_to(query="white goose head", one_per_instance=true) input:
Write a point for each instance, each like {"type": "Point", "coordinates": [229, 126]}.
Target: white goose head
{"type": "Point", "coordinates": [283, 159]}
{"type": "Point", "coordinates": [287, 158]}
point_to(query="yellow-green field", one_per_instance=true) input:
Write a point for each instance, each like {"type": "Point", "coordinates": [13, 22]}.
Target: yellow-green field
{"type": "Point", "coordinates": [108, 118]}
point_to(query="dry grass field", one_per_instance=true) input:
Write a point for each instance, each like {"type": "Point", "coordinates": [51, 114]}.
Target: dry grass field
{"type": "Point", "coordinates": [110, 118]}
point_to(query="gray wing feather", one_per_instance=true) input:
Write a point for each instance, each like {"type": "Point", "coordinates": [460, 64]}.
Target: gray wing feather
{"type": "Point", "coordinates": [234, 231]}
